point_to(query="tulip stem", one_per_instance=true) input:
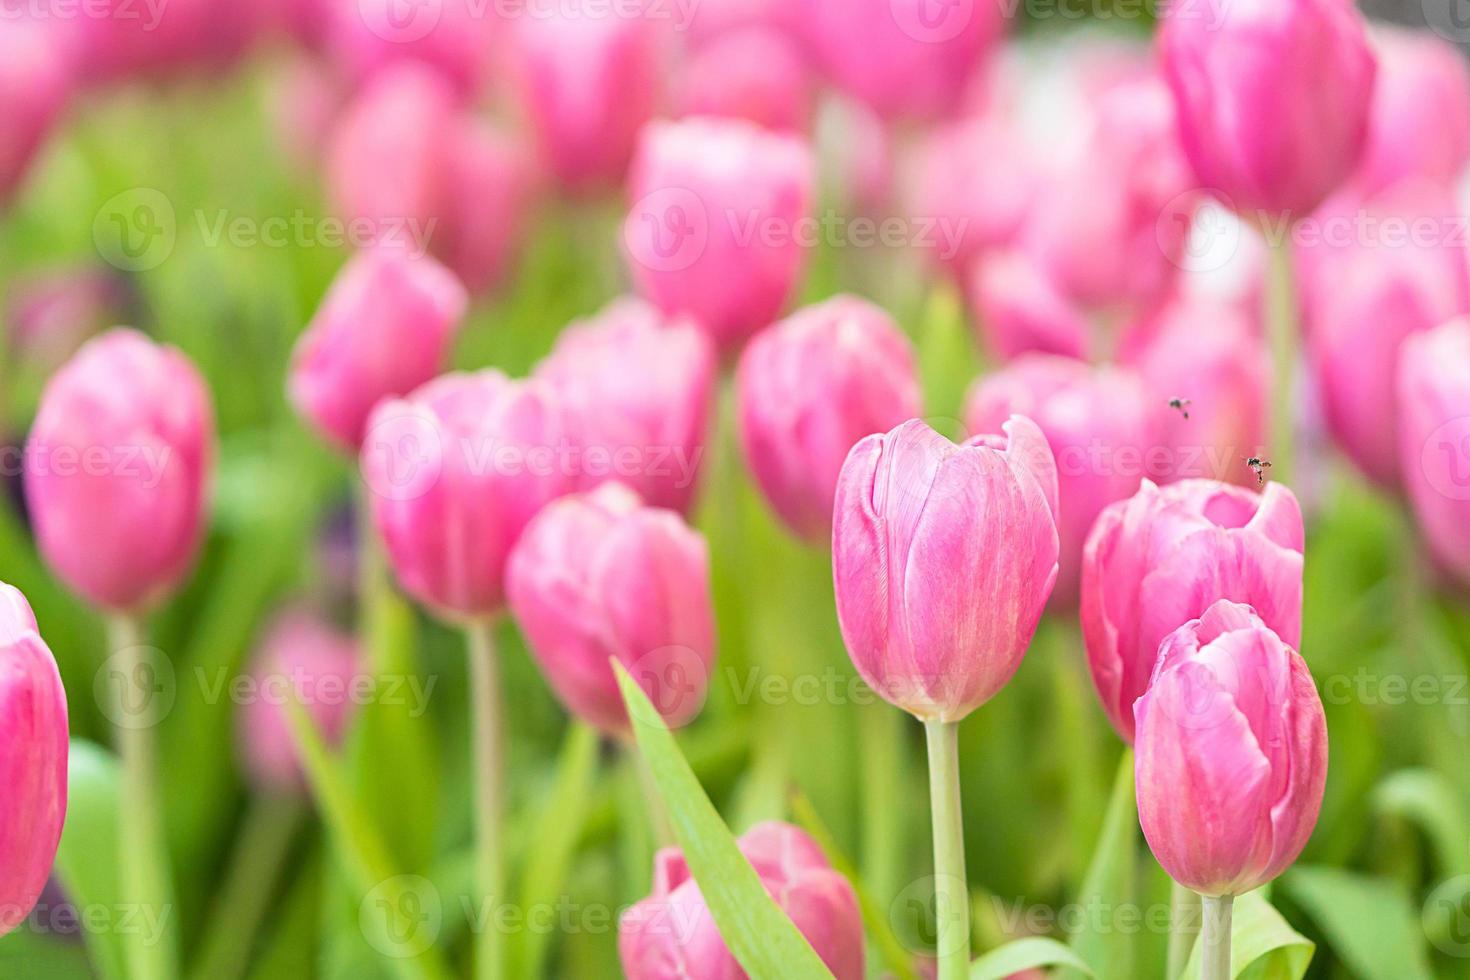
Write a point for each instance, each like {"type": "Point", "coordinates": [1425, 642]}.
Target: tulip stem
{"type": "Point", "coordinates": [1183, 928]}
{"type": "Point", "coordinates": [1281, 327]}
{"type": "Point", "coordinates": [143, 861]}
{"type": "Point", "coordinates": [951, 893]}
{"type": "Point", "coordinates": [487, 758]}
{"type": "Point", "coordinates": [1215, 937]}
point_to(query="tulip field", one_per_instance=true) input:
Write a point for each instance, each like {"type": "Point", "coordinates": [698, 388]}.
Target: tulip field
{"type": "Point", "coordinates": [706, 489]}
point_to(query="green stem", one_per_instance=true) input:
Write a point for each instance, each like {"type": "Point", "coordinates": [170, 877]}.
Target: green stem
{"type": "Point", "coordinates": [487, 712]}
{"type": "Point", "coordinates": [1215, 937]}
{"type": "Point", "coordinates": [1183, 927]}
{"type": "Point", "coordinates": [951, 893]}
{"type": "Point", "coordinates": [1281, 326]}
{"type": "Point", "coordinates": [881, 733]}
{"type": "Point", "coordinates": [144, 862]}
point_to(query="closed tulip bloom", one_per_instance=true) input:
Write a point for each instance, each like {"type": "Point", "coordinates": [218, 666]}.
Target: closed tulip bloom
{"type": "Point", "coordinates": [1434, 439]}
{"type": "Point", "coordinates": [33, 753]}
{"type": "Point", "coordinates": [35, 81]}
{"type": "Point", "coordinates": [384, 328]}
{"type": "Point", "coordinates": [456, 472]}
{"type": "Point", "coordinates": [808, 389]}
{"type": "Point", "coordinates": [313, 663]}
{"type": "Point", "coordinates": [1232, 753]}
{"type": "Point", "coordinates": [454, 38]}
{"type": "Point", "coordinates": [1019, 308]}
{"type": "Point", "coordinates": [1273, 98]}
{"type": "Point", "coordinates": [943, 557]}
{"type": "Point", "coordinates": [600, 576]}
{"type": "Point", "coordinates": [1098, 423]}
{"type": "Point", "coordinates": [121, 522]}
{"type": "Point", "coordinates": [713, 229]}
{"type": "Point", "coordinates": [638, 389]}
{"type": "Point", "coordinates": [671, 934]}
{"type": "Point", "coordinates": [492, 184]}
{"type": "Point", "coordinates": [756, 73]}
{"type": "Point", "coordinates": [1161, 558]}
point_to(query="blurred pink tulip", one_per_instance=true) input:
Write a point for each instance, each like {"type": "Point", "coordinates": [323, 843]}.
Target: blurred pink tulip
{"type": "Point", "coordinates": [1434, 440]}
{"type": "Point", "coordinates": [492, 185]}
{"type": "Point", "coordinates": [384, 328]}
{"type": "Point", "coordinates": [1273, 98]}
{"type": "Point", "coordinates": [1018, 308]}
{"type": "Point", "coordinates": [454, 38]}
{"type": "Point", "coordinates": [302, 101]}
{"type": "Point", "coordinates": [587, 83]}
{"type": "Point", "coordinates": [755, 73]}
{"type": "Point", "coordinates": [860, 147]}
{"type": "Point", "coordinates": [903, 57]}
{"type": "Point", "coordinates": [36, 66]}
{"type": "Point", "coordinates": [1098, 423]}
{"type": "Point", "coordinates": [711, 18]}
{"type": "Point", "coordinates": [34, 742]}
{"type": "Point", "coordinates": [117, 470]}
{"type": "Point", "coordinates": [124, 38]}
{"type": "Point", "coordinates": [1232, 753]}
{"type": "Point", "coordinates": [1161, 558]}
{"type": "Point", "coordinates": [671, 935]}
{"type": "Point", "coordinates": [456, 471]}
{"type": "Point", "coordinates": [638, 389]}
{"type": "Point", "coordinates": [599, 576]}
{"type": "Point", "coordinates": [808, 389]}
{"type": "Point", "coordinates": [715, 228]}
{"type": "Point", "coordinates": [51, 313]}
{"type": "Point", "coordinates": [943, 557]}
{"type": "Point", "coordinates": [306, 660]}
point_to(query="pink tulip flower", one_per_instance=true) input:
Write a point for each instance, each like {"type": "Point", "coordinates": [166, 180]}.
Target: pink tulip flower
{"type": "Point", "coordinates": [671, 935]}
{"type": "Point", "coordinates": [384, 328]}
{"type": "Point", "coordinates": [756, 73]}
{"type": "Point", "coordinates": [34, 742]}
{"type": "Point", "coordinates": [1434, 440]}
{"type": "Point", "coordinates": [1161, 558]}
{"type": "Point", "coordinates": [716, 225]}
{"type": "Point", "coordinates": [36, 71]}
{"type": "Point", "coordinates": [454, 38]}
{"type": "Point", "coordinates": [51, 313]}
{"type": "Point", "coordinates": [492, 186]}
{"type": "Point", "coordinates": [117, 470]}
{"type": "Point", "coordinates": [1273, 98]}
{"type": "Point", "coordinates": [306, 660]}
{"type": "Point", "coordinates": [1098, 424]}
{"type": "Point", "coordinates": [456, 472]}
{"type": "Point", "coordinates": [943, 557]}
{"type": "Point", "coordinates": [599, 576]}
{"type": "Point", "coordinates": [808, 389]}
{"type": "Point", "coordinates": [1018, 308]}
{"type": "Point", "coordinates": [1232, 753]}
{"type": "Point", "coordinates": [638, 388]}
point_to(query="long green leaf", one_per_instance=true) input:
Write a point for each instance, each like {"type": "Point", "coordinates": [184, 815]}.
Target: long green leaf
{"type": "Point", "coordinates": [1369, 921]}
{"type": "Point", "coordinates": [1261, 941]}
{"type": "Point", "coordinates": [1427, 800]}
{"type": "Point", "coordinates": [87, 859]}
{"type": "Point", "coordinates": [759, 935]}
{"type": "Point", "coordinates": [1109, 884]}
{"type": "Point", "coordinates": [1027, 954]}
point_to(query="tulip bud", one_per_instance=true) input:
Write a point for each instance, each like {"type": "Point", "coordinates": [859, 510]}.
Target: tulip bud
{"type": "Point", "coordinates": [1232, 753]}
{"type": "Point", "coordinates": [492, 182]}
{"type": "Point", "coordinates": [1434, 440]}
{"type": "Point", "coordinates": [1273, 98]}
{"type": "Point", "coordinates": [638, 390]}
{"type": "Point", "coordinates": [384, 328]}
{"type": "Point", "coordinates": [456, 471]}
{"type": "Point", "coordinates": [454, 38]}
{"type": "Point", "coordinates": [1098, 424]}
{"type": "Point", "coordinates": [671, 935]}
{"type": "Point", "coordinates": [808, 389]}
{"type": "Point", "coordinates": [756, 73]}
{"type": "Point", "coordinates": [1164, 556]}
{"type": "Point", "coordinates": [713, 229]}
{"type": "Point", "coordinates": [117, 470]}
{"type": "Point", "coordinates": [35, 81]}
{"type": "Point", "coordinates": [943, 557]}
{"type": "Point", "coordinates": [599, 576]}
{"type": "Point", "coordinates": [33, 754]}
{"type": "Point", "coordinates": [1018, 308]}
{"type": "Point", "coordinates": [311, 662]}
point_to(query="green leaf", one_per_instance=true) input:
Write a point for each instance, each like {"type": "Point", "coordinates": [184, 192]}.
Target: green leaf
{"type": "Point", "coordinates": [1427, 800]}
{"type": "Point", "coordinates": [760, 936]}
{"type": "Point", "coordinates": [1370, 922]}
{"type": "Point", "coordinates": [1027, 954]}
{"type": "Point", "coordinates": [28, 955]}
{"type": "Point", "coordinates": [1260, 941]}
{"type": "Point", "coordinates": [1109, 884]}
{"type": "Point", "coordinates": [87, 860]}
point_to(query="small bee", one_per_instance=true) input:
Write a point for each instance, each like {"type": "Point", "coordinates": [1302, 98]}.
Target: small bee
{"type": "Point", "coordinates": [1259, 466]}
{"type": "Point", "coordinates": [1180, 405]}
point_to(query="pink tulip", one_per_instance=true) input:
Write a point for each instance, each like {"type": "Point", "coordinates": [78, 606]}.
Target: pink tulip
{"type": "Point", "coordinates": [808, 389]}
{"type": "Point", "coordinates": [302, 102]}
{"type": "Point", "coordinates": [1098, 424]}
{"type": "Point", "coordinates": [117, 470]}
{"type": "Point", "coordinates": [1434, 440]}
{"type": "Point", "coordinates": [454, 38]}
{"type": "Point", "coordinates": [715, 229]}
{"type": "Point", "coordinates": [861, 147]}
{"type": "Point", "coordinates": [51, 313]}
{"type": "Point", "coordinates": [599, 576]}
{"type": "Point", "coordinates": [492, 185]}
{"type": "Point", "coordinates": [1018, 308]}
{"type": "Point", "coordinates": [457, 470]}
{"type": "Point", "coordinates": [1159, 559]}
{"type": "Point", "coordinates": [638, 389]}
{"type": "Point", "coordinates": [306, 660]}
{"type": "Point", "coordinates": [35, 82]}
{"type": "Point", "coordinates": [587, 84]}
{"type": "Point", "coordinates": [33, 754]}
{"type": "Point", "coordinates": [1232, 753]}
{"type": "Point", "coordinates": [671, 935]}
{"type": "Point", "coordinates": [756, 73]}
{"type": "Point", "coordinates": [1273, 98]}
{"type": "Point", "coordinates": [384, 328]}
{"type": "Point", "coordinates": [124, 38]}
{"type": "Point", "coordinates": [943, 557]}
{"type": "Point", "coordinates": [711, 18]}
{"type": "Point", "coordinates": [903, 57]}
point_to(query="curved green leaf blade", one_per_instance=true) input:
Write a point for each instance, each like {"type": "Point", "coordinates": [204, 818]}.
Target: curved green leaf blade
{"type": "Point", "coordinates": [1109, 884]}
{"type": "Point", "coordinates": [1261, 939]}
{"type": "Point", "coordinates": [1027, 954]}
{"type": "Point", "coordinates": [87, 860]}
{"type": "Point", "coordinates": [1427, 800]}
{"type": "Point", "coordinates": [759, 935]}
{"type": "Point", "coordinates": [1369, 921]}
